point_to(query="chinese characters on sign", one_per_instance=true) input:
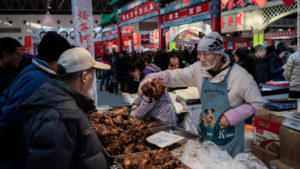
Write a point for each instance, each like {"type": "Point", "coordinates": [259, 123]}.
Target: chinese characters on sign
{"type": "Point", "coordinates": [232, 23]}
{"type": "Point", "coordinates": [278, 34]}
{"type": "Point", "coordinates": [187, 12]}
{"type": "Point", "coordinates": [231, 4]}
{"type": "Point", "coordinates": [110, 33]}
{"type": "Point", "coordinates": [83, 24]}
{"type": "Point", "coordinates": [142, 10]}
{"type": "Point", "coordinates": [82, 12]}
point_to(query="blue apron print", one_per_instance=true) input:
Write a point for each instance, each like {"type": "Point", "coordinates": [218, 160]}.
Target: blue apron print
{"type": "Point", "coordinates": [215, 103]}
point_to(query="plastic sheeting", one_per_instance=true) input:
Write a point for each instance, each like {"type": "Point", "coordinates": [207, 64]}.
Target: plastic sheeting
{"type": "Point", "coordinates": [207, 155]}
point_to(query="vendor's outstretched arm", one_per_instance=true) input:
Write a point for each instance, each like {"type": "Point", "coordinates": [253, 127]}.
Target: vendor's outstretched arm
{"type": "Point", "coordinates": [179, 77]}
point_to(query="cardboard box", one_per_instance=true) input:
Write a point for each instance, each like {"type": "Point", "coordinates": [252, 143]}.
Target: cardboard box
{"type": "Point", "coordinates": [266, 130]}
{"type": "Point", "coordinates": [264, 155]}
{"type": "Point", "coordinates": [290, 146]}
{"type": "Point", "coordinates": [277, 164]}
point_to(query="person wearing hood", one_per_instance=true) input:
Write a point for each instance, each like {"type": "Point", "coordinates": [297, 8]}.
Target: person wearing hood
{"type": "Point", "coordinates": [42, 69]}
{"type": "Point", "coordinates": [224, 87]}
{"type": "Point", "coordinates": [56, 132]}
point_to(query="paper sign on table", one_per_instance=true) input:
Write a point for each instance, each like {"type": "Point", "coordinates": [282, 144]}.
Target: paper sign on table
{"type": "Point", "coordinates": [163, 139]}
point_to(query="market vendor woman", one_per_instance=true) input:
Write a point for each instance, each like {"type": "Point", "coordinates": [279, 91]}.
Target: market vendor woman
{"type": "Point", "coordinates": [224, 87]}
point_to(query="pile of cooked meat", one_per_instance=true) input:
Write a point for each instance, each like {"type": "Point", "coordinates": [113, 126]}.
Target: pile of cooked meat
{"type": "Point", "coordinates": [157, 159]}
{"type": "Point", "coordinates": [121, 134]}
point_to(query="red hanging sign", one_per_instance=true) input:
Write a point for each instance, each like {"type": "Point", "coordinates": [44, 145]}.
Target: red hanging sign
{"type": "Point", "coordinates": [288, 3]}
{"type": "Point", "coordinates": [224, 2]}
{"type": "Point", "coordinates": [187, 12]}
{"type": "Point", "coordinates": [142, 10]}
{"type": "Point", "coordinates": [145, 38]}
{"type": "Point", "coordinates": [260, 3]}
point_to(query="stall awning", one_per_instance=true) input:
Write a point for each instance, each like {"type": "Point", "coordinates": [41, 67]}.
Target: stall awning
{"type": "Point", "coordinates": [108, 18]}
{"type": "Point", "coordinates": [113, 2]}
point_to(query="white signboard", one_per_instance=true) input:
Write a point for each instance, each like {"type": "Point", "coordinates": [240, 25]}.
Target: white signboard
{"type": "Point", "coordinates": [82, 12]}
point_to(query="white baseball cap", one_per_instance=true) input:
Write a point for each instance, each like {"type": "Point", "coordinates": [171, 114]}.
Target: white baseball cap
{"type": "Point", "coordinates": [78, 59]}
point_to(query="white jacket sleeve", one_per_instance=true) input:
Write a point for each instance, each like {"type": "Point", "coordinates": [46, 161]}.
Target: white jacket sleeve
{"type": "Point", "coordinates": [184, 77]}
{"type": "Point", "coordinates": [288, 68]}
{"type": "Point", "coordinates": [250, 93]}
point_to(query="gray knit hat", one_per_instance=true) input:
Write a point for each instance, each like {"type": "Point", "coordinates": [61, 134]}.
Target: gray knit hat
{"type": "Point", "coordinates": [212, 43]}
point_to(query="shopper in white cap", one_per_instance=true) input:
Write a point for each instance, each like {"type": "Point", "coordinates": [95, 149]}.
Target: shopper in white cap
{"type": "Point", "coordinates": [224, 87]}
{"type": "Point", "coordinates": [56, 131]}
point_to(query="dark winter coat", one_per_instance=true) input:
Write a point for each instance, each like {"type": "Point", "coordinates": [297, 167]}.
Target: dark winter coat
{"type": "Point", "coordinates": [56, 131]}
{"type": "Point", "coordinates": [275, 68]}
{"type": "Point", "coordinates": [27, 82]}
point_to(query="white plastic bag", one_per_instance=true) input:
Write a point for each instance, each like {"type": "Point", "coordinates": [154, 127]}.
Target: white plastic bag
{"type": "Point", "coordinates": [189, 156]}
{"type": "Point", "coordinates": [212, 157]}
{"type": "Point", "coordinates": [247, 161]}
{"type": "Point", "coordinates": [208, 155]}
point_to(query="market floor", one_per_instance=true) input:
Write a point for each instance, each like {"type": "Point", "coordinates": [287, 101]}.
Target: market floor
{"type": "Point", "coordinates": [106, 98]}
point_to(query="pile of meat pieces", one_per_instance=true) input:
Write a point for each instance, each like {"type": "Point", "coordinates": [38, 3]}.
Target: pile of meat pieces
{"type": "Point", "coordinates": [157, 159]}
{"type": "Point", "coordinates": [121, 134]}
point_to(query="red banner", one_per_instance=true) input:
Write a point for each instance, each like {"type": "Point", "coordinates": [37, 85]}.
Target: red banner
{"type": "Point", "coordinates": [127, 31]}
{"type": "Point", "coordinates": [99, 48]}
{"type": "Point", "coordinates": [110, 33]}
{"type": "Point", "coordinates": [187, 12]}
{"type": "Point", "coordinates": [278, 34]}
{"type": "Point", "coordinates": [142, 10]}
{"type": "Point", "coordinates": [233, 45]}
{"type": "Point", "coordinates": [145, 38]}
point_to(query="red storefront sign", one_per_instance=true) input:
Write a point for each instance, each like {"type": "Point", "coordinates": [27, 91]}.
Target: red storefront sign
{"type": "Point", "coordinates": [110, 33]}
{"type": "Point", "coordinates": [278, 34]}
{"type": "Point", "coordinates": [99, 48]}
{"type": "Point", "coordinates": [187, 12]}
{"type": "Point", "coordinates": [127, 33]}
{"type": "Point", "coordinates": [142, 10]}
{"type": "Point", "coordinates": [145, 38]}
{"type": "Point", "coordinates": [232, 23]}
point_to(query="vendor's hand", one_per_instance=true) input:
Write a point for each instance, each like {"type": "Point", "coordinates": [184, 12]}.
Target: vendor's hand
{"type": "Point", "coordinates": [224, 123]}
{"type": "Point", "coordinates": [125, 94]}
{"type": "Point", "coordinates": [149, 79]}
{"type": "Point", "coordinates": [134, 107]}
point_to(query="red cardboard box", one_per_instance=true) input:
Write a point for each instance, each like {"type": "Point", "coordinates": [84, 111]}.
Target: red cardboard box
{"type": "Point", "coordinates": [266, 130]}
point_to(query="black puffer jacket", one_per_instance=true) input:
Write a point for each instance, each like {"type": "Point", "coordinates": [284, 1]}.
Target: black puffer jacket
{"type": "Point", "coordinates": [56, 131]}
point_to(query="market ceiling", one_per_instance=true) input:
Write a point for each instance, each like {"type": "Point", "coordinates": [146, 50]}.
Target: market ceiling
{"type": "Point", "coordinates": [56, 6]}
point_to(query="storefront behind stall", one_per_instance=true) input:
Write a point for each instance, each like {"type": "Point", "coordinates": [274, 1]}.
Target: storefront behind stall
{"type": "Point", "coordinates": [134, 14]}
{"type": "Point", "coordinates": [186, 23]}
{"type": "Point", "coordinates": [258, 18]}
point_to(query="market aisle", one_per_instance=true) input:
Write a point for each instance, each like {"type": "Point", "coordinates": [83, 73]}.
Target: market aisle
{"type": "Point", "coordinates": [106, 98]}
